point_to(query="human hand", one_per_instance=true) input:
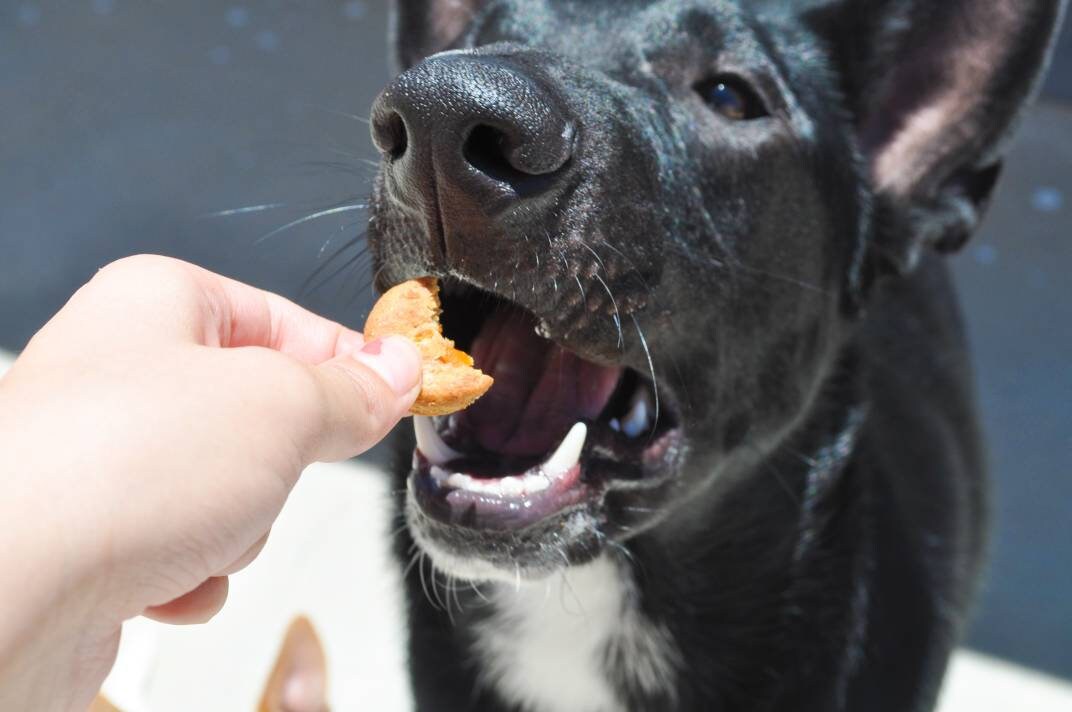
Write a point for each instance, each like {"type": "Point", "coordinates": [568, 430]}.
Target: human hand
{"type": "Point", "coordinates": [149, 436]}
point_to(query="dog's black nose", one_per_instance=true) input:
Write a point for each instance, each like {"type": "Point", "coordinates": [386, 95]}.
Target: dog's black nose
{"type": "Point", "coordinates": [470, 136]}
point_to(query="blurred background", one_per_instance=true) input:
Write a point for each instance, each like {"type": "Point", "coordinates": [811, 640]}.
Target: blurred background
{"type": "Point", "coordinates": [213, 132]}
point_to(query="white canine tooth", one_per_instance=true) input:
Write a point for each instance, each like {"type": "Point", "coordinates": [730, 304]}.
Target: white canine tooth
{"type": "Point", "coordinates": [639, 418]}
{"type": "Point", "coordinates": [429, 442]}
{"type": "Point", "coordinates": [568, 452]}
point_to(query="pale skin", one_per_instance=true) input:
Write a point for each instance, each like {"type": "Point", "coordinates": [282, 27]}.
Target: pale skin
{"type": "Point", "coordinates": [149, 436]}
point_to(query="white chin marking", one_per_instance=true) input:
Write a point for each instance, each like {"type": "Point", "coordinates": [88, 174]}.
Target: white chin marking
{"type": "Point", "coordinates": [545, 647]}
{"type": "Point", "coordinates": [546, 644]}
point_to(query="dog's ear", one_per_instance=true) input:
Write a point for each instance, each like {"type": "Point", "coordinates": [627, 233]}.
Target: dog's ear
{"type": "Point", "coordinates": [935, 86]}
{"type": "Point", "coordinates": [423, 27]}
{"type": "Point", "coordinates": [298, 681]}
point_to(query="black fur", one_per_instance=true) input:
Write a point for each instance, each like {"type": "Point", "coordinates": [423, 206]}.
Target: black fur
{"type": "Point", "coordinates": [819, 541]}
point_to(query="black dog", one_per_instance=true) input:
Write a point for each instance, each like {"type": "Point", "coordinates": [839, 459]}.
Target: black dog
{"type": "Point", "coordinates": [730, 461]}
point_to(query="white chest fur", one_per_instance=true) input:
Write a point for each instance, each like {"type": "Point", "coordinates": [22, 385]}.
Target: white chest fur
{"type": "Point", "coordinates": [548, 645]}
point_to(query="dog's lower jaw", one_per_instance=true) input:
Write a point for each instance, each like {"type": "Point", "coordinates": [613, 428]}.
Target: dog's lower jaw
{"type": "Point", "coordinates": [582, 639]}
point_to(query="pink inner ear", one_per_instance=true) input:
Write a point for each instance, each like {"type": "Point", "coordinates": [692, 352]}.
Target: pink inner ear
{"type": "Point", "coordinates": [447, 19]}
{"type": "Point", "coordinates": [934, 106]}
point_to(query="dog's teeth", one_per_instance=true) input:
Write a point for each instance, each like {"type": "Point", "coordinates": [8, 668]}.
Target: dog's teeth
{"type": "Point", "coordinates": [543, 331]}
{"type": "Point", "coordinates": [511, 486]}
{"type": "Point", "coordinates": [639, 418]}
{"type": "Point", "coordinates": [429, 442]}
{"type": "Point", "coordinates": [568, 452]}
{"type": "Point", "coordinates": [460, 481]}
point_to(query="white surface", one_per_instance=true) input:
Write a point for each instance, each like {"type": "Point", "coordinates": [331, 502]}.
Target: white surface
{"type": "Point", "coordinates": [328, 557]}
{"type": "Point", "coordinates": [977, 683]}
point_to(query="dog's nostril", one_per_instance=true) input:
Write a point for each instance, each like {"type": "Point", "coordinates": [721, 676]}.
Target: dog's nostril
{"type": "Point", "coordinates": [391, 136]}
{"type": "Point", "coordinates": [487, 149]}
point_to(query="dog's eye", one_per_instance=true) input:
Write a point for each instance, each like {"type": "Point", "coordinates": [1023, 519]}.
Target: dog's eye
{"type": "Point", "coordinates": [732, 98]}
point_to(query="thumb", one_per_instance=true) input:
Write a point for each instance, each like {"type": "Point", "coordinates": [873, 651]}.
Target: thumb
{"type": "Point", "coordinates": [365, 394]}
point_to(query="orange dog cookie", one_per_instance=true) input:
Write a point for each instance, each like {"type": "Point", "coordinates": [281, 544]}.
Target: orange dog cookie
{"type": "Point", "coordinates": [411, 309]}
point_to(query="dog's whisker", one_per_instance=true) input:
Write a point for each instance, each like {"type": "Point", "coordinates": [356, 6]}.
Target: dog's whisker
{"type": "Point", "coordinates": [478, 592]}
{"type": "Point", "coordinates": [617, 546]}
{"type": "Point", "coordinates": [457, 598]}
{"type": "Point", "coordinates": [624, 551]}
{"type": "Point", "coordinates": [347, 154]}
{"type": "Point", "coordinates": [362, 287]}
{"type": "Point", "coordinates": [567, 587]}
{"type": "Point", "coordinates": [243, 210]}
{"type": "Point", "coordinates": [811, 462]}
{"type": "Point", "coordinates": [632, 265]}
{"type": "Point", "coordinates": [617, 317]}
{"type": "Point", "coordinates": [331, 238]}
{"type": "Point", "coordinates": [782, 483]}
{"type": "Point", "coordinates": [447, 586]}
{"type": "Point", "coordinates": [409, 567]}
{"type": "Point", "coordinates": [709, 261]}
{"type": "Point", "coordinates": [651, 369]}
{"type": "Point", "coordinates": [424, 584]}
{"type": "Point", "coordinates": [353, 261]}
{"type": "Point", "coordinates": [599, 260]}
{"type": "Point", "coordinates": [337, 112]}
{"type": "Point", "coordinates": [436, 584]}
{"type": "Point", "coordinates": [784, 278]}
{"type": "Point", "coordinates": [338, 167]}
{"type": "Point", "coordinates": [308, 218]}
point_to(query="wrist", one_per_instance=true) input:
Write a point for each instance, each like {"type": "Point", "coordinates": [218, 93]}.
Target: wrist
{"type": "Point", "coordinates": [51, 592]}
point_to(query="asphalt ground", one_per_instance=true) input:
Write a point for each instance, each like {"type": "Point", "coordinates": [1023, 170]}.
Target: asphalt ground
{"type": "Point", "coordinates": [127, 127]}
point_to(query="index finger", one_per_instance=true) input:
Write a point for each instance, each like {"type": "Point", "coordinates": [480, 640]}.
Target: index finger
{"type": "Point", "coordinates": [247, 316]}
{"type": "Point", "coordinates": [166, 297]}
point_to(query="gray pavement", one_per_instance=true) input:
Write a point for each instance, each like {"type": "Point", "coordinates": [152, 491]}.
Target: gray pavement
{"type": "Point", "coordinates": [123, 124]}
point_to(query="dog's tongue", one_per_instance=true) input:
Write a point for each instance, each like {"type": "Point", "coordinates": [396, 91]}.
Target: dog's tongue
{"type": "Point", "coordinates": [540, 389]}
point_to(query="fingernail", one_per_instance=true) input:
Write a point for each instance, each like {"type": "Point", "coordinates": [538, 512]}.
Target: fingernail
{"type": "Point", "coordinates": [396, 361]}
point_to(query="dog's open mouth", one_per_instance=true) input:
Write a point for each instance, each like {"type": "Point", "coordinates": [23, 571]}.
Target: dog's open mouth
{"type": "Point", "coordinates": [555, 432]}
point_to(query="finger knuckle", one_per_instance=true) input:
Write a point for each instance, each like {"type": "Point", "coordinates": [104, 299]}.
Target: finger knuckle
{"type": "Point", "coordinates": [146, 275]}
